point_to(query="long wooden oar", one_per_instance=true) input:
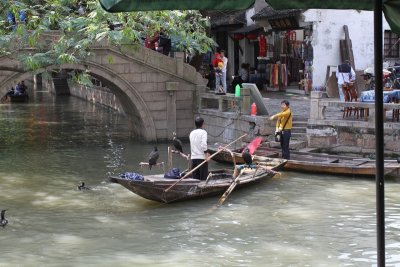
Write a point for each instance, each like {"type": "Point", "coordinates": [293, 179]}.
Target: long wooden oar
{"type": "Point", "coordinates": [230, 189]}
{"type": "Point", "coordinates": [198, 166]}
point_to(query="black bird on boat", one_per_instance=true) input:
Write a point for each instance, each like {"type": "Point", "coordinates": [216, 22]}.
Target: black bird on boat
{"type": "Point", "coordinates": [3, 220]}
{"type": "Point", "coordinates": [82, 186]}
{"type": "Point", "coordinates": [177, 143]}
{"type": "Point", "coordinates": [153, 157]}
{"type": "Point", "coordinates": [247, 157]}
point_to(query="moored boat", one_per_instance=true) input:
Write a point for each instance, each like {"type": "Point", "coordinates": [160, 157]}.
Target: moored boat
{"type": "Point", "coordinates": [18, 98]}
{"type": "Point", "coordinates": [154, 187]}
{"type": "Point", "coordinates": [315, 162]}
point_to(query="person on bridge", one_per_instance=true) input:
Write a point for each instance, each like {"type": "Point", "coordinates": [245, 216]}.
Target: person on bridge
{"type": "Point", "coordinates": [224, 68]}
{"type": "Point", "coordinates": [284, 127]}
{"type": "Point", "coordinates": [198, 150]}
{"type": "Point", "coordinates": [211, 77]}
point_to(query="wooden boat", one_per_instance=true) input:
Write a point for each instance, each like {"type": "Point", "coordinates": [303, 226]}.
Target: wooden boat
{"type": "Point", "coordinates": [315, 162]}
{"type": "Point", "coordinates": [153, 186]}
{"type": "Point", "coordinates": [18, 98]}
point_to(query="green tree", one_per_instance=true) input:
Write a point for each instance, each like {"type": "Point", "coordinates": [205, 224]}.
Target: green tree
{"type": "Point", "coordinates": [81, 24]}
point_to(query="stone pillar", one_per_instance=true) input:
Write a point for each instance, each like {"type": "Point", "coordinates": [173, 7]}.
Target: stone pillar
{"type": "Point", "coordinates": [35, 82]}
{"type": "Point", "coordinates": [230, 54]}
{"type": "Point", "coordinates": [180, 59]}
{"type": "Point", "coordinates": [246, 102]}
{"type": "Point", "coordinates": [315, 110]}
{"type": "Point", "coordinates": [172, 87]}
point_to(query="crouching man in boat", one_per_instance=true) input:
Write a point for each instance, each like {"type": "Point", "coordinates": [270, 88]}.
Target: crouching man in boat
{"type": "Point", "coordinates": [20, 89]}
{"type": "Point", "coordinates": [284, 128]}
{"type": "Point", "coordinates": [198, 149]}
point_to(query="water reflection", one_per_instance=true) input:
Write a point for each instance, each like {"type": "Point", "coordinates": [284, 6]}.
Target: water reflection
{"type": "Point", "coordinates": [48, 147]}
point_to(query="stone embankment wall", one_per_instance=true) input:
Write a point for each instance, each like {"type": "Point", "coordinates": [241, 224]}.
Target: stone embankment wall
{"type": "Point", "coordinates": [351, 139]}
{"type": "Point", "coordinates": [97, 95]}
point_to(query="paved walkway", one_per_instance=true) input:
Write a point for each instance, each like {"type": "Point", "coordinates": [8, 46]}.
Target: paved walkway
{"type": "Point", "coordinates": [300, 104]}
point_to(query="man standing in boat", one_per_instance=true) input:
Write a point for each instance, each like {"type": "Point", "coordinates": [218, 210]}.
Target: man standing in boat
{"type": "Point", "coordinates": [198, 149]}
{"type": "Point", "coordinates": [283, 130]}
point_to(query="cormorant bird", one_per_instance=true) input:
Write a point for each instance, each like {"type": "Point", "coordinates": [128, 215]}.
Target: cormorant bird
{"type": "Point", "coordinates": [247, 156]}
{"type": "Point", "coordinates": [3, 220]}
{"type": "Point", "coordinates": [153, 157]}
{"type": "Point", "coordinates": [83, 186]}
{"type": "Point", "coordinates": [177, 143]}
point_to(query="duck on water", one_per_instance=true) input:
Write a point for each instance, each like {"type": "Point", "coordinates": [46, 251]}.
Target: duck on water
{"type": "Point", "coordinates": [3, 220]}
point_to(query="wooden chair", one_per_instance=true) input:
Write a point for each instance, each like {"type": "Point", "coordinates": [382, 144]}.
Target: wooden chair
{"type": "Point", "coordinates": [347, 98]}
{"type": "Point", "coordinates": [351, 95]}
{"type": "Point", "coordinates": [353, 98]}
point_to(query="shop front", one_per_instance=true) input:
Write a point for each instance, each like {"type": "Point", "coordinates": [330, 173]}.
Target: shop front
{"type": "Point", "coordinates": [284, 54]}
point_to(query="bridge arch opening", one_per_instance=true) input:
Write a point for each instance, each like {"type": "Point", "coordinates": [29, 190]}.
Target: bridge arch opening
{"type": "Point", "coordinates": [135, 108]}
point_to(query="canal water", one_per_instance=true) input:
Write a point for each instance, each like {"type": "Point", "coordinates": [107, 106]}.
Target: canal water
{"type": "Point", "coordinates": [50, 145]}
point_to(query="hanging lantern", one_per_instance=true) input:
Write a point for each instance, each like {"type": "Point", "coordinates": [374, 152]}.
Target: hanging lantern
{"type": "Point", "coordinates": [238, 36]}
{"type": "Point", "coordinates": [251, 36]}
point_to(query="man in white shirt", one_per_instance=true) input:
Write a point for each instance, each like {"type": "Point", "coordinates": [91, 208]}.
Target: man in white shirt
{"type": "Point", "coordinates": [225, 64]}
{"type": "Point", "coordinates": [344, 74]}
{"type": "Point", "coordinates": [198, 150]}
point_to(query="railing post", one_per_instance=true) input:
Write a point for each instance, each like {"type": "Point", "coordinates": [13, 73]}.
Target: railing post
{"type": "Point", "coordinates": [180, 57]}
{"type": "Point", "coordinates": [245, 93]}
{"type": "Point", "coordinates": [172, 87]}
{"type": "Point", "coordinates": [315, 110]}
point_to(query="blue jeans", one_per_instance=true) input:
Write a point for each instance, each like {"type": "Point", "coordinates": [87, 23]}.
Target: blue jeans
{"type": "Point", "coordinates": [224, 81]}
{"type": "Point", "coordinates": [217, 82]}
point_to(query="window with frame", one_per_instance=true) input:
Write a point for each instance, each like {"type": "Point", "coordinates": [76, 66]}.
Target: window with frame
{"type": "Point", "coordinates": [391, 45]}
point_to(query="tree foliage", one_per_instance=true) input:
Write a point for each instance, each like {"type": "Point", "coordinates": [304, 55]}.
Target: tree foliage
{"type": "Point", "coordinates": [79, 28]}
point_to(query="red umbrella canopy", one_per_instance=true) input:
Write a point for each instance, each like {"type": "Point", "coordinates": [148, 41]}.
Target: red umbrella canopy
{"type": "Point", "coordinates": [254, 144]}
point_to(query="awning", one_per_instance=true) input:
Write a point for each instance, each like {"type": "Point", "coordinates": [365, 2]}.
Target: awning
{"type": "Point", "coordinates": [391, 8]}
{"type": "Point", "coordinates": [148, 5]}
{"type": "Point", "coordinates": [247, 29]}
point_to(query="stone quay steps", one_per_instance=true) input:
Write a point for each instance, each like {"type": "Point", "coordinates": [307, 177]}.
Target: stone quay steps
{"type": "Point", "coordinates": [299, 130]}
{"type": "Point", "coordinates": [293, 145]}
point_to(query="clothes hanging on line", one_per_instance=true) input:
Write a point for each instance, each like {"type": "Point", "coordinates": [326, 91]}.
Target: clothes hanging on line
{"type": "Point", "coordinates": [278, 75]}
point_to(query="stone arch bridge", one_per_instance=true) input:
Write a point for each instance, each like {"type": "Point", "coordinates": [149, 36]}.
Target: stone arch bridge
{"type": "Point", "coordinates": [157, 93]}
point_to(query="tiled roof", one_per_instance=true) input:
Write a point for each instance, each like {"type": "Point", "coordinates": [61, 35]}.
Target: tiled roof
{"type": "Point", "coordinates": [270, 13]}
{"type": "Point", "coordinates": [228, 17]}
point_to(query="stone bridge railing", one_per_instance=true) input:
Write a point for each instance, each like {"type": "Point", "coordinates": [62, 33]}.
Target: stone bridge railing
{"type": "Point", "coordinates": [170, 65]}
{"type": "Point", "coordinates": [327, 127]}
{"type": "Point", "coordinates": [320, 104]}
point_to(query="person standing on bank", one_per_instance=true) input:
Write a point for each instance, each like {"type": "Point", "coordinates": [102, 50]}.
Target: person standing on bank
{"type": "Point", "coordinates": [198, 149]}
{"type": "Point", "coordinates": [345, 75]}
{"type": "Point", "coordinates": [284, 127]}
{"type": "Point", "coordinates": [224, 67]}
